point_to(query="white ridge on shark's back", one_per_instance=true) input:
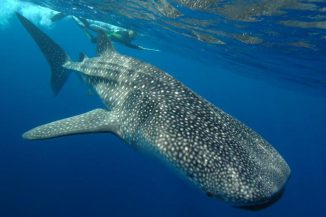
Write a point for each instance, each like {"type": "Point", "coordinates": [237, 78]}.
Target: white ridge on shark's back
{"type": "Point", "coordinates": [151, 110]}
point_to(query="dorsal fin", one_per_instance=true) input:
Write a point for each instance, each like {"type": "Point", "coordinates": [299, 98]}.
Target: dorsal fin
{"type": "Point", "coordinates": [104, 45]}
{"type": "Point", "coordinates": [82, 57]}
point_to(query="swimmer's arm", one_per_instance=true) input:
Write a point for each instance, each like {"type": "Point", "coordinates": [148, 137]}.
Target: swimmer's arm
{"type": "Point", "coordinates": [134, 46]}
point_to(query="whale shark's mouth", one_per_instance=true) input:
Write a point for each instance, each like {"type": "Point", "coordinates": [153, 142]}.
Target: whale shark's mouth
{"type": "Point", "coordinates": [264, 204]}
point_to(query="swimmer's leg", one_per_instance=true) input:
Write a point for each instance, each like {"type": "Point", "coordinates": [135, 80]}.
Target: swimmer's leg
{"type": "Point", "coordinates": [84, 25]}
{"type": "Point", "coordinates": [58, 16]}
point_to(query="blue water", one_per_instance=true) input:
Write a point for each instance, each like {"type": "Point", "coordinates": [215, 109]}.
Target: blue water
{"type": "Point", "coordinates": [99, 175]}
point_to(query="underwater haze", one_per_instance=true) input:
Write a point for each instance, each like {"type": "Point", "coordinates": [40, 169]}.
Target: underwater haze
{"type": "Point", "coordinates": [263, 62]}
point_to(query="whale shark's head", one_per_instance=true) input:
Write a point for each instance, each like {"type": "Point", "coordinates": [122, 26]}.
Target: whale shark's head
{"type": "Point", "coordinates": [253, 176]}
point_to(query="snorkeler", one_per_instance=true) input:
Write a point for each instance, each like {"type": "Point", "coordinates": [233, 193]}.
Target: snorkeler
{"type": "Point", "coordinates": [114, 33]}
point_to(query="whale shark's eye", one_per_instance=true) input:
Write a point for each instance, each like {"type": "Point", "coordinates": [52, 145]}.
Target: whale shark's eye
{"type": "Point", "coordinates": [209, 194]}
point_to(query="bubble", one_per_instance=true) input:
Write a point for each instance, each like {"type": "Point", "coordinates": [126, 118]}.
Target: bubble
{"type": "Point", "coordinates": [37, 14]}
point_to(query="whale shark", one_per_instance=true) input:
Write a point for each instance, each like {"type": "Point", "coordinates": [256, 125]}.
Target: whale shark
{"type": "Point", "coordinates": [152, 111]}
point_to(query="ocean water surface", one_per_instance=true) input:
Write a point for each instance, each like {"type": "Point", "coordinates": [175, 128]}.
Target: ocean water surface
{"type": "Point", "coordinates": [263, 62]}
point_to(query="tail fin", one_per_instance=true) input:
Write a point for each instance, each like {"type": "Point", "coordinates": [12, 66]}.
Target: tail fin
{"type": "Point", "coordinates": [54, 54]}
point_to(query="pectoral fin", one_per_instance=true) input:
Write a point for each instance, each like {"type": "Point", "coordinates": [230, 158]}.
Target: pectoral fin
{"type": "Point", "coordinates": [98, 120]}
